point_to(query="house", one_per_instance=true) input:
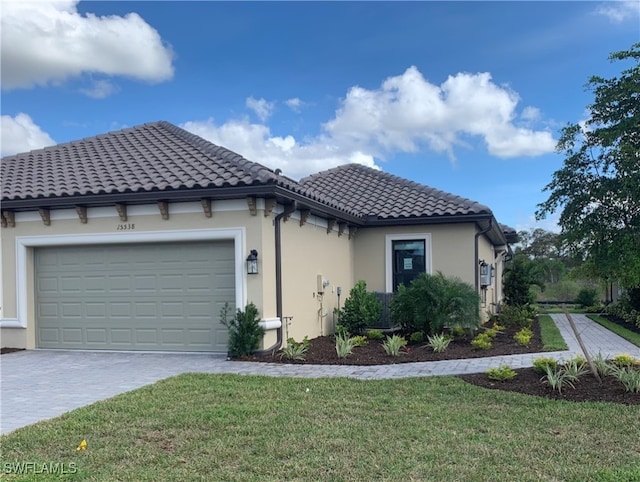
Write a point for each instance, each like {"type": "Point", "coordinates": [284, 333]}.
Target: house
{"type": "Point", "coordinates": [136, 239]}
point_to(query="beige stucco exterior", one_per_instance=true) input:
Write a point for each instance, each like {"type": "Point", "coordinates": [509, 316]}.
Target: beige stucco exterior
{"type": "Point", "coordinates": [312, 248]}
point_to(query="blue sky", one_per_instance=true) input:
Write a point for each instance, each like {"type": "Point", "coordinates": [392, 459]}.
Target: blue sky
{"type": "Point", "coordinates": [467, 97]}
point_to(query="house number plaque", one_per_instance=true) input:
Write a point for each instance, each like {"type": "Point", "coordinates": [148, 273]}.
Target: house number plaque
{"type": "Point", "coordinates": [125, 227]}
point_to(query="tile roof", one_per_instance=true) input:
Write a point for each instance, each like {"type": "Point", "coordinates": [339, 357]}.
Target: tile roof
{"type": "Point", "coordinates": [151, 157]}
{"type": "Point", "coordinates": [380, 195]}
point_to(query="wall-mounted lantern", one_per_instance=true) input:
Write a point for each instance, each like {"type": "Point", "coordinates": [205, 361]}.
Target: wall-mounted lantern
{"type": "Point", "coordinates": [252, 262]}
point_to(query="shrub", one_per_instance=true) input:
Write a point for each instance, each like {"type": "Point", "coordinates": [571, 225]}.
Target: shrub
{"type": "Point", "coordinates": [375, 334]}
{"type": "Point", "coordinates": [439, 342]}
{"type": "Point", "coordinates": [575, 367]}
{"type": "Point", "coordinates": [625, 360]}
{"type": "Point", "coordinates": [602, 365]}
{"type": "Point", "coordinates": [540, 364]}
{"type": "Point", "coordinates": [359, 340]}
{"type": "Point", "coordinates": [295, 350]}
{"type": "Point", "coordinates": [344, 346]}
{"type": "Point", "coordinates": [511, 315]}
{"type": "Point", "coordinates": [523, 336]}
{"type": "Point", "coordinates": [481, 341]}
{"type": "Point", "coordinates": [457, 331]}
{"type": "Point", "coordinates": [557, 379]}
{"type": "Point", "coordinates": [393, 344]}
{"type": "Point", "coordinates": [501, 374]}
{"type": "Point", "coordinates": [360, 309]}
{"type": "Point", "coordinates": [519, 276]}
{"type": "Point", "coordinates": [629, 377]}
{"type": "Point", "coordinates": [434, 302]}
{"type": "Point", "coordinates": [245, 332]}
{"type": "Point", "coordinates": [587, 297]}
{"type": "Point", "coordinates": [416, 337]}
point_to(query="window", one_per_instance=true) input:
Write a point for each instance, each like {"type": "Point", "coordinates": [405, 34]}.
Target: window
{"type": "Point", "coordinates": [407, 257]}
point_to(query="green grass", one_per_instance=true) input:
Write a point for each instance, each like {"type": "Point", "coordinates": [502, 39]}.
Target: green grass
{"type": "Point", "coordinates": [247, 428]}
{"type": "Point", "coordinates": [551, 337]}
{"type": "Point", "coordinates": [628, 335]}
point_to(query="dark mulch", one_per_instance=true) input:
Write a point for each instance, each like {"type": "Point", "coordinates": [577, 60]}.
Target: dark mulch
{"type": "Point", "coordinates": [5, 350]}
{"type": "Point", "coordinates": [322, 351]}
{"type": "Point", "coordinates": [587, 389]}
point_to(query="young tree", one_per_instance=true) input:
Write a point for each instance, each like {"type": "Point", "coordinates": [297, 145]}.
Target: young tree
{"type": "Point", "coordinates": [598, 188]}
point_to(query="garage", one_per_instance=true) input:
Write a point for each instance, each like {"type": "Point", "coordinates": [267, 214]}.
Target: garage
{"type": "Point", "coordinates": [144, 296]}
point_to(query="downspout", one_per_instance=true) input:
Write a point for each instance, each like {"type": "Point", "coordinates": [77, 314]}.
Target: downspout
{"type": "Point", "coordinates": [477, 252]}
{"type": "Point", "coordinates": [278, 237]}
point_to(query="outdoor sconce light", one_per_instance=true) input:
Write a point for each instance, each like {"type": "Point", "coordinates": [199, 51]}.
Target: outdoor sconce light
{"type": "Point", "coordinates": [252, 262]}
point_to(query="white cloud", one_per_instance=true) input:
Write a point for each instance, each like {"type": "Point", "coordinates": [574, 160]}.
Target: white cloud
{"type": "Point", "coordinates": [21, 134]}
{"type": "Point", "coordinates": [100, 89]}
{"type": "Point", "coordinates": [295, 104]}
{"type": "Point", "coordinates": [408, 112]}
{"type": "Point", "coordinates": [619, 11]}
{"type": "Point", "coordinates": [261, 107]}
{"type": "Point", "coordinates": [48, 42]}
{"type": "Point", "coordinates": [256, 143]}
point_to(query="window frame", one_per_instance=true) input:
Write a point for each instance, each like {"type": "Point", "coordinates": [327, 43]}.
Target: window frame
{"type": "Point", "coordinates": [389, 239]}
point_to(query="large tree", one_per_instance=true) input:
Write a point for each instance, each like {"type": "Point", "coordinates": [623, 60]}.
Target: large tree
{"type": "Point", "coordinates": [598, 187]}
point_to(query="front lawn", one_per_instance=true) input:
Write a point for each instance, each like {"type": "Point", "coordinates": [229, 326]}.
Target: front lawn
{"type": "Point", "coordinates": [230, 427]}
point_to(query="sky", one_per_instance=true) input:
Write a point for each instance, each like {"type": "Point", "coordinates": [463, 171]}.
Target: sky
{"type": "Point", "coordinates": [466, 97]}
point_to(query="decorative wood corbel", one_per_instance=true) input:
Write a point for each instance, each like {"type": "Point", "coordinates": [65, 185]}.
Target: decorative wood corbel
{"type": "Point", "coordinates": [45, 214]}
{"type": "Point", "coordinates": [253, 209]}
{"type": "Point", "coordinates": [82, 214]}
{"type": "Point", "coordinates": [163, 206]}
{"type": "Point", "coordinates": [304, 215]}
{"type": "Point", "coordinates": [269, 204]}
{"type": "Point", "coordinates": [206, 206]}
{"type": "Point", "coordinates": [122, 211]}
{"type": "Point", "coordinates": [10, 218]}
{"type": "Point", "coordinates": [330, 225]}
{"type": "Point", "coordinates": [352, 231]}
{"type": "Point", "coordinates": [341, 228]}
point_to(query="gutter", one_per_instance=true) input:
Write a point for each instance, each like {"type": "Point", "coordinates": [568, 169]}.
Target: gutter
{"type": "Point", "coordinates": [476, 251]}
{"type": "Point", "coordinates": [278, 238]}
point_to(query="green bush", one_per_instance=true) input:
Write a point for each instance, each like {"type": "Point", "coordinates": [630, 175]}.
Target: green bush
{"type": "Point", "coordinates": [393, 344]}
{"type": "Point", "coordinates": [344, 346]}
{"type": "Point", "coordinates": [501, 374]}
{"type": "Point", "coordinates": [540, 364]}
{"type": "Point", "coordinates": [629, 377]}
{"type": "Point", "coordinates": [296, 350]}
{"type": "Point", "coordinates": [587, 297]}
{"type": "Point", "coordinates": [481, 341]}
{"type": "Point", "coordinates": [625, 360]}
{"type": "Point", "coordinates": [245, 332]}
{"type": "Point", "coordinates": [512, 315]}
{"type": "Point", "coordinates": [375, 334]}
{"type": "Point", "coordinates": [434, 302]}
{"type": "Point", "coordinates": [360, 309]}
{"type": "Point", "coordinates": [523, 336]}
{"type": "Point", "coordinates": [359, 340]}
{"type": "Point", "coordinates": [416, 337]}
{"type": "Point", "coordinates": [439, 342]}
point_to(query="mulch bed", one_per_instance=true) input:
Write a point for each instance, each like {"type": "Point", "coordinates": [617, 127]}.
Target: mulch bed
{"type": "Point", "coordinates": [587, 389]}
{"type": "Point", "coordinates": [322, 351]}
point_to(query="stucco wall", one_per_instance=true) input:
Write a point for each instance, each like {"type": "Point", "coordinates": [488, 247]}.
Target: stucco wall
{"type": "Point", "coordinates": [185, 219]}
{"type": "Point", "coordinates": [309, 251]}
{"type": "Point", "coordinates": [452, 251]}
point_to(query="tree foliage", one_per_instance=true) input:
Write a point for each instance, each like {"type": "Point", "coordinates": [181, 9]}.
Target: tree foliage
{"type": "Point", "coordinates": [245, 332]}
{"type": "Point", "coordinates": [598, 187]}
{"type": "Point", "coordinates": [520, 275]}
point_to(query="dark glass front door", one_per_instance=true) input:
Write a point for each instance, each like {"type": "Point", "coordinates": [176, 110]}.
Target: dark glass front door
{"type": "Point", "coordinates": [408, 261]}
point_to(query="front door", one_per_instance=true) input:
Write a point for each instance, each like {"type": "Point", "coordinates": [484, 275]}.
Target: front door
{"type": "Point", "coordinates": [408, 261]}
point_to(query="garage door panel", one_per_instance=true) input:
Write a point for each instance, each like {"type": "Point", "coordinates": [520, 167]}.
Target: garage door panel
{"type": "Point", "coordinates": [159, 296]}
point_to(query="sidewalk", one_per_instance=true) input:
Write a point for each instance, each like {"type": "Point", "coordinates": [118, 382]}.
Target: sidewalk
{"type": "Point", "coordinates": [41, 384]}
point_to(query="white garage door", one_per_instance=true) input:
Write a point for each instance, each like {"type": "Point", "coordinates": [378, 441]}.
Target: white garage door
{"type": "Point", "coordinates": [159, 296]}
